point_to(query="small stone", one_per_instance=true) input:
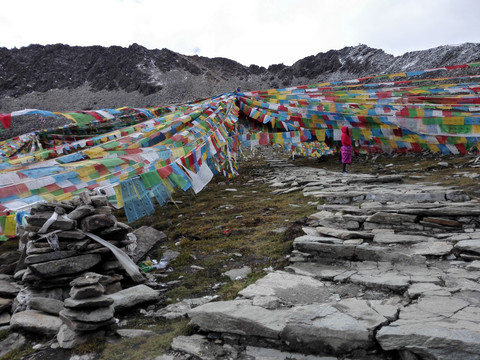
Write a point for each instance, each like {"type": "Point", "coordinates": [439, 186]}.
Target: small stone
{"type": "Point", "coordinates": [4, 318]}
{"type": "Point", "coordinates": [99, 200]}
{"type": "Point", "coordinates": [133, 296]}
{"type": "Point", "coordinates": [5, 304]}
{"type": "Point", "coordinates": [60, 210]}
{"type": "Point", "coordinates": [76, 325]}
{"type": "Point", "coordinates": [47, 305]}
{"type": "Point", "coordinates": [97, 222]}
{"type": "Point", "coordinates": [93, 302]}
{"type": "Point", "coordinates": [78, 293]}
{"type": "Point", "coordinates": [8, 289]}
{"type": "Point", "coordinates": [238, 274]}
{"type": "Point", "coordinates": [96, 315]}
{"type": "Point", "coordinates": [81, 212]}
{"type": "Point", "coordinates": [88, 279]}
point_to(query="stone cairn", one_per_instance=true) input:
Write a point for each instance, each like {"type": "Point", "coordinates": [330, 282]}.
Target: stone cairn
{"type": "Point", "coordinates": [87, 312]}
{"type": "Point", "coordinates": [73, 254]}
{"type": "Point", "coordinates": [58, 248]}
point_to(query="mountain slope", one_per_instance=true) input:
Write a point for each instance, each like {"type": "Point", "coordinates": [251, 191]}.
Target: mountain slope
{"type": "Point", "coordinates": [61, 77]}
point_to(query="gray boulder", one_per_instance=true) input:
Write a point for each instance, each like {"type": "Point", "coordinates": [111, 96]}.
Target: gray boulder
{"type": "Point", "coordinates": [68, 338]}
{"type": "Point", "coordinates": [37, 322]}
{"type": "Point", "coordinates": [240, 317]}
{"type": "Point", "coordinates": [47, 305]}
{"type": "Point", "coordinates": [128, 298]}
{"type": "Point", "coordinates": [148, 239]}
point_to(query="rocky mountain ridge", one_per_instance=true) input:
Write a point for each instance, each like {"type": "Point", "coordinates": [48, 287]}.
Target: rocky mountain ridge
{"type": "Point", "coordinates": [62, 77]}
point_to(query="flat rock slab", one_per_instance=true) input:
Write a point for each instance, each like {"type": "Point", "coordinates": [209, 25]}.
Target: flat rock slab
{"type": "Point", "coordinates": [273, 354]}
{"type": "Point", "coordinates": [344, 234]}
{"type": "Point", "coordinates": [68, 266]}
{"type": "Point", "coordinates": [437, 327]}
{"type": "Point", "coordinates": [432, 248]}
{"type": "Point", "coordinates": [381, 280]}
{"type": "Point", "coordinates": [390, 218]}
{"type": "Point", "coordinates": [47, 305]}
{"type": "Point", "coordinates": [240, 317]}
{"type": "Point", "coordinates": [37, 322]}
{"type": "Point", "coordinates": [362, 252]}
{"type": "Point", "coordinates": [8, 289]}
{"type": "Point", "coordinates": [289, 289]}
{"type": "Point", "coordinates": [128, 298]}
{"type": "Point", "coordinates": [387, 237]}
{"type": "Point", "coordinates": [315, 328]}
{"type": "Point", "coordinates": [55, 255]}
{"type": "Point", "coordinates": [90, 315]}
{"type": "Point", "coordinates": [88, 303]}
{"type": "Point", "coordinates": [469, 245]}
{"type": "Point", "coordinates": [332, 328]}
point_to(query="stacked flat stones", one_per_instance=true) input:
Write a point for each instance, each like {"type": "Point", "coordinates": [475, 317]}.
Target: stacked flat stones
{"type": "Point", "coordinates": [87, 312]}
{"type": "Point", "coordinates": [50, 263]}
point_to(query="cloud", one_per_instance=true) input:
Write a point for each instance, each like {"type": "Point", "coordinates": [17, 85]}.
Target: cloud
{"type": "Point", "coordinates": [261, 32]}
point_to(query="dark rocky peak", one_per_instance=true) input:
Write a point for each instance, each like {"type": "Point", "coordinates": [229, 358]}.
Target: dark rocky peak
{"type": "Point", "coordinates": [142, 77]}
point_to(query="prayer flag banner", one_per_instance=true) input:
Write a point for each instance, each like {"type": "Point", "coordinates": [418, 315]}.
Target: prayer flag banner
{"type": "Point", "coordinates": [140, 156]}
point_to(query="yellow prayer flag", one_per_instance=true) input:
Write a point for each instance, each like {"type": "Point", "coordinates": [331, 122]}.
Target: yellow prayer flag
{"type": "Point", "coordinates": [397, 75]}
{"type": "Point", "coordinates": [392, 144]}
{"type": "Point", "coordinates": [320, 134]}
{"type": "Point", "coordinates": [178, 152]}
{"type": "Point", "coordinates": [10, 226]}
{"type": "Point", "coordinates": [95, 152]}
{"type": "Point", "coordinates": [85, 171]}
{"type": "Point", "coordinates": [476, 129]}
{"type": "Point", "coordinates": [118, 195]}
{"type": "Point", "coordinates": [453, 120]}
{"type": "Point", "coordinates": [433, 148]}
{"type": "Point", "coordinates": [21, 160]}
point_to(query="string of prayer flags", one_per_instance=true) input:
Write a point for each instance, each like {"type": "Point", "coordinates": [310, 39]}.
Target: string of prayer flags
{"type": "Point", "coordinates": [140, 157]}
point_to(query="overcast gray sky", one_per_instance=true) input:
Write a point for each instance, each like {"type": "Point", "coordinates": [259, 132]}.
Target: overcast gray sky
{"type": "Point", "coordinates": [261, 32]}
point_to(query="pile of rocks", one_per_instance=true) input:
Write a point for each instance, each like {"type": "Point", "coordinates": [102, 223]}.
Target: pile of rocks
{"type": "Point", "coordinates": [58, 246]}
{"type": "Point", "coordinates": [87, 312]}
{"type": "Point", "coordinates": [74, 253]}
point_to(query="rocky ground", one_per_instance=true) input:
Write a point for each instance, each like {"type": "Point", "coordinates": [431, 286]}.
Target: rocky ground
{"type": "Point", "coordinates": [386, 266]}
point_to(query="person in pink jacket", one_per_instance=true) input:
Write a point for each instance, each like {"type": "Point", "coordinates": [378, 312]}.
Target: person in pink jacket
{"type": "Point", "coordinates": [346, 149]}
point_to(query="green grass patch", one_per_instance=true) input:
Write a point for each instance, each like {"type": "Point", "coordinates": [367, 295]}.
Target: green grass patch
{"type": "Point", "coordinates": [141, 348]}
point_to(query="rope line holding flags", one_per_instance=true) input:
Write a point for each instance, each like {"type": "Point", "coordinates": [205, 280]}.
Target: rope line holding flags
{"type": "Point", "coordinates": [141, 156]}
